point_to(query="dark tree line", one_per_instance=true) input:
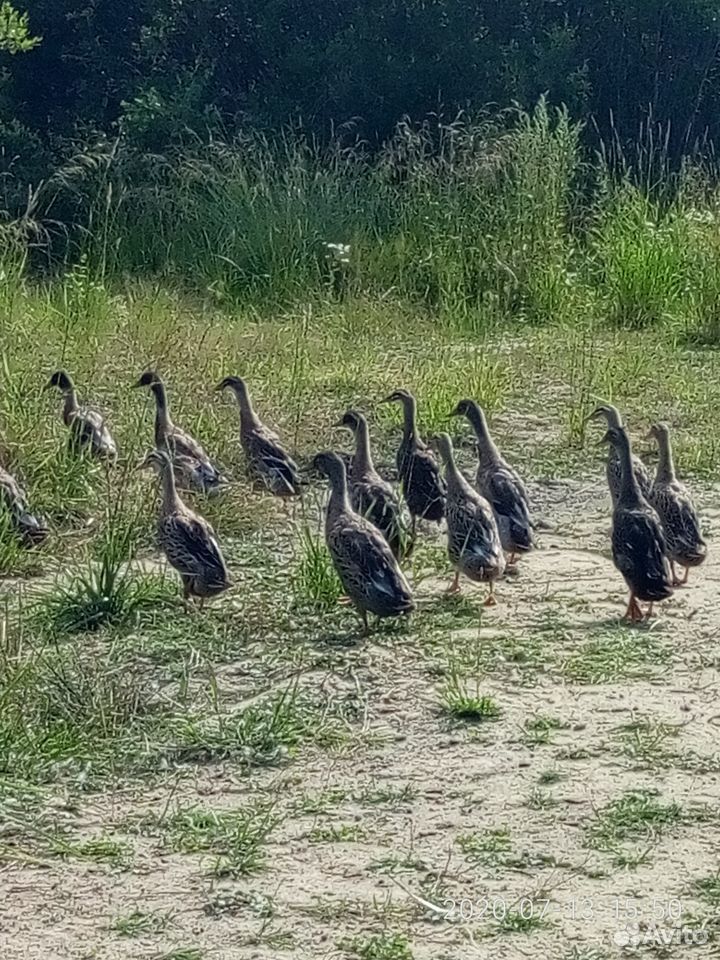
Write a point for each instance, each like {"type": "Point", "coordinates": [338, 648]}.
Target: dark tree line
{"type": "Point", "coordinates": [165, 71]}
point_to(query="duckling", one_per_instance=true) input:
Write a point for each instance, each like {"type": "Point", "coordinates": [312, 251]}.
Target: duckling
{"type": "Point", "coordinates": [672, 501]}
{"type": "Point", "coordinates": [88, 430]}
{"type": "Point", "coordinates": [187, 540]}
{"type": "Point", "coordinates": [638, 544]}
{"type": "Point", "coordinates": [192, 466]}
{"type": "Point", "coordinates": [266, 459]}
{"type": "Point", "coordinates": [613, 471]}
{"type": "Point", "coordinates": [370, 495]}
{"type": "Point", "coordinates": [362, 558]}
{"type": "Point", "coordinates": [500, 485]}
{"type": "Point", "coordinates": [30, 528]}
{"type": "Point", "coordinates": [422, 485]}
{"type": "Point", "coordinates": [474, 546]}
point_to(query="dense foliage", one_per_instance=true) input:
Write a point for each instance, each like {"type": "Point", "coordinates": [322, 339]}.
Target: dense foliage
{"type": "Point", "coordinates": [161, 69]}
{"type": "Point", "coordinates": [451, 143]}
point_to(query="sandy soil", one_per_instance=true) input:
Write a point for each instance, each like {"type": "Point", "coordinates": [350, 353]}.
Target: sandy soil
{"type": "Point", "coordinates": [397, 865]}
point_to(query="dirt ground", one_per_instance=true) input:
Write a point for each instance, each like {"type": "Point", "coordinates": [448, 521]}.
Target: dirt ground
{"type": "Point", "coordinates": [427, 836]}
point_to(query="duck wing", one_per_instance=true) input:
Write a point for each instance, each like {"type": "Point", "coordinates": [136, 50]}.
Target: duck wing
{"type": "Point", "coordinates": [508, 498]}
{"type": "Point", "coordinates": [191, 547]}
{"type": "Point", "coordinates": [366, 566]}
{"type": "Point", "coordinates": [638, 548]}
{"type": "Point", "coordinates": [88, 429]}
{"type": "Point", "coordinates": [271, 463]}
{"type": "Point", "coordinates": [681, 524]}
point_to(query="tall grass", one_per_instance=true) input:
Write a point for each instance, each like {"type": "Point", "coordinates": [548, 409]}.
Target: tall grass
{"type": "Point", "coordinates": [476, 222]}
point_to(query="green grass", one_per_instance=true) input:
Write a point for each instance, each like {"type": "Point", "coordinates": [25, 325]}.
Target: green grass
{"type": "Point", "coordinates": [708, 889]}
{"type": "Point", "coordinates": [384, 946]}
{"type": "Point", "coordinates": [538, 730]}
{"type": "Point", "coordinates": [521, 920]}
{"type": "Point", "coordinates": [95, 850]}
{"type": "Point", "coordinates": [461, 700]}
{"type": "Point", "coordinates": [337, 833]}
{"type": "Point", "coordinates": [637, 816]}
{"type": "Point", "coordinates": [234, 839]}
{"type": "Point", "coordinates": [489, 848]}
{"type": "Point", "coordinates": [140, 923]}
{"type": "Point", "coordinates": [646, 742]}
{"type": "Point", "coordinates": [616, 653]}
{"type": "Point", "coordinates": [183, 953]}
{"type": "Point", "coordinates": [315, 582]}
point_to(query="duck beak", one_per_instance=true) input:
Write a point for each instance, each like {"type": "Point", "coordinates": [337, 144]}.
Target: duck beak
{"type": "Point", "coordinates": [603, 440]}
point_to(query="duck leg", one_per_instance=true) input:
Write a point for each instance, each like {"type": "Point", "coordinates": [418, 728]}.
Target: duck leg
{"type": "Point", "coordinates": [633, 612]}
{"type": "Point", "coordinates": [187, 605]}
{"type": "Point", "coordinates": [454, 586]}
{"type": "Point", "coordinates": [681, 583]}
{"type": "Point", "coordinates": [491, 599]}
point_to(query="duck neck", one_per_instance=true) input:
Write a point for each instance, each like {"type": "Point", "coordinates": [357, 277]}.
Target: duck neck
{"type": "Point", "coordinates": [338, 502]}
{"type": "Point", "coordinates": [453, 477]}
{"type": "Point", "coordinates": [629, 489]}
{"type": "Point", "coordinates": [70, 404]}
{"type": "Point", "coordinates": [666, 464]}
{"type": "Point", "coordinates": [170, 499]}
{"type": "Point", "coordinates": [363, 463]}
{"type": "Point", "coordinates": [410, 419]}
{"type": "Point", "coordinates": [487, 451]}
{"type": "Point", "coordinates": [249, 420]}
{"type": "Point", "coordinates": [163, 423]}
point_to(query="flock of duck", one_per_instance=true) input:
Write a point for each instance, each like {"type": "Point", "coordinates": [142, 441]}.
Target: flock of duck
{"type": "Point", "coordinates": [489, 526]}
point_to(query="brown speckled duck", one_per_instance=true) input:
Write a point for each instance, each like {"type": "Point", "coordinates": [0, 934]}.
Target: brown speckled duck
{"type": "Point", "coordinates": [267, 461]}
{"type": "Point", "coordinates": [684, 543]}
{"type": "Point", "coordinates": [193, 468]}
{"type": "Point", "coordinates": [423, 487]}
{"type": "Point", "coordinates": [362, 558]}
{"type": "Point", "coordinates": [187, 540]}
{"type": "Point", "coordinates": [500, 485]}
{"type": "Point", "coordinates": [28, 527]}
{"type": "Point", "coordinates": [370, 495]}
{"type": "Point", "coordinates": [88, 430]}
{"type": "Point", "coordinates": [638, 543]}
{"type": "Point", "coordinates": [474, 546]}
{"type": "Point", "coordinates": [611, 415]}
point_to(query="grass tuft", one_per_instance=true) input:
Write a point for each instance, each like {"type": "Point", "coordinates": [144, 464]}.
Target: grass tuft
{"type": "Point", "coordinates": [461, 700]}
{"type": "Point", "coordinates": [382, 946]}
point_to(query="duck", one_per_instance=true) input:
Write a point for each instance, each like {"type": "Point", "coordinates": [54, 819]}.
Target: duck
{"type": "Point", "coordinates": [613, 420]}
{"type": "Point", "coordinates": [187, 539]}
{"type": "Point", "coordinates": [89, 432]}
{"type": "Point", "coordinates": [422, 486]}
{"type": "Point", "coordinates": [368, 571]}
{"type": "Point", "coordinates": [30, 528]}
{"type": "Point", "coordinates": [638, 542]}
{"type": "Point", "coordinates": [673, 503]}
{"type": "Point", "coordinates": [267, 460]}
{"type": "Point", "coordinates": [370, 495]}
{"type": "Point", "coordinates": [473, 538]}
{"type": "Point", "coordinates": [501, 486]}
{"type": "Point", "coordinates": [193, 468]}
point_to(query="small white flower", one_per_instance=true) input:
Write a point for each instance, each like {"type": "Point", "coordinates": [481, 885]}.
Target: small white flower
{"type": "Point", "coordinates": [340, 252]}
